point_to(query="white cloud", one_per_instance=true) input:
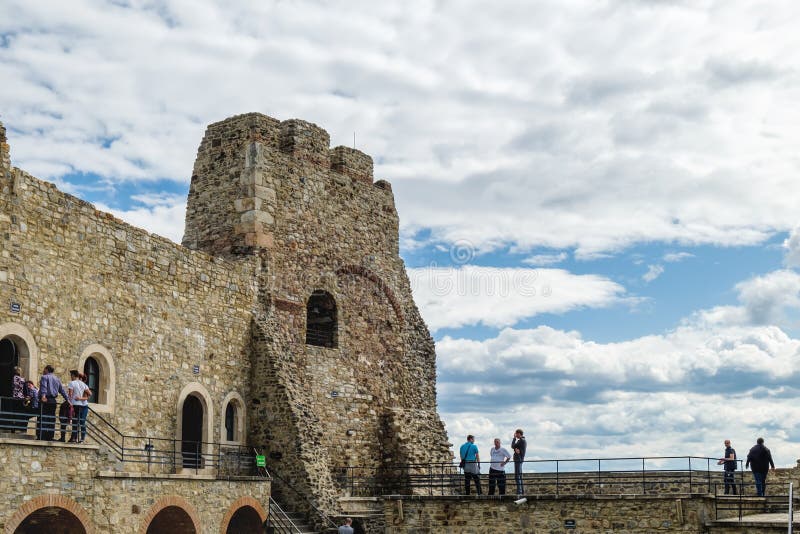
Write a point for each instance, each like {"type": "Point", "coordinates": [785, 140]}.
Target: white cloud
{"type": "Point", "coordinates": [543, 260]}
{"type": "Point", "coordinates": [674, 257]}
{"type": "Point", "coordinates": [653, 272]}
{"type": "Point", "coordinates": [791, 247]}
{"type": "Point", "coordinates": [470, 295]}
{"type": "Point", "coordinates": [634, 142]}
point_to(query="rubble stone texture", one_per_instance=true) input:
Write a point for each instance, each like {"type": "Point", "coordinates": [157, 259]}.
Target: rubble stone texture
{"type": "Point", "coordinates": [274, 214]}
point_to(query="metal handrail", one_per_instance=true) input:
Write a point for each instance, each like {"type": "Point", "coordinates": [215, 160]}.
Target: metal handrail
{"type": "Point", "coordinates": [631, 475]}
{"type": "Point", "coordinates": [325, 518]}
{"type": "Point", "coordinates": [150, 450]}
{"type": "Point", "coordinates": [275, 511]}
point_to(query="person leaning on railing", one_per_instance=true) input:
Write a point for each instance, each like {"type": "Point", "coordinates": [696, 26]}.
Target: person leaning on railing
{"type": "Point", "coordinates": [79, 394]}
{"type": "Point", "coordinates": [18, 420]}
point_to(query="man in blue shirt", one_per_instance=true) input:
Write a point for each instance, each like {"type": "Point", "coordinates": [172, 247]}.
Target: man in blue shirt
{"type": "Point", "coordinates": [49, 389]}
{"type": "Point", "coordinates": [472, 466]}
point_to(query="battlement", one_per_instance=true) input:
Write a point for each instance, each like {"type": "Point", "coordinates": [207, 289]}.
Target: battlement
{"type": "Point", "coordinates": [251, 169]}
{"type": "Point", "coordinates": [5, 150]}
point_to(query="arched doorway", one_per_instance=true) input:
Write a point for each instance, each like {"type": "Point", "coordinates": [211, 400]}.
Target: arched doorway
{"type": "Point", "coordinates": [9, 358]}
{"type": "Point", "coordinates": [172, 519]}
{"type": "Point", "coordinates": [245, 520]}
{"type": "Point", "coordinates": [192, 433]}
{"type": "Point", "coordinates": [53, 520]}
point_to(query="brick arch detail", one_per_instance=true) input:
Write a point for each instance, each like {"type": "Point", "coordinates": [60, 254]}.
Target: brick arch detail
{"type": "Point", "coordinates": [236, 505]}
{"type": "Point", "coordinates": [48, 501]}
{"type": "Point", "coordinates": [165, 502]}
{"type": "Point", "coordinates": [374, 278]}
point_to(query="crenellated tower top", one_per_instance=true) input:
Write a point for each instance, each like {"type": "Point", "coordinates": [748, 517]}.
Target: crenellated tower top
{"type": "Point", "coordinates": [5, 151]}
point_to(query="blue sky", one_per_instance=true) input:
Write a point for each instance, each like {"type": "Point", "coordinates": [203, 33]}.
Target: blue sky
{"type": "Point", "coordinates": [598, 218]}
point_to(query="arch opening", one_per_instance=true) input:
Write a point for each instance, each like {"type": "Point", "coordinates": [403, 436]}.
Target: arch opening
{"type": "Point", "coordinates": [321, 324]}
{"type": "Point", "coordinates": [51, 519]}
{"type": "Point", "coordinates": [172, 519]}
{"type": "Point", "coordinates": [192, 433]}
{"type": "Point", "coordinates": [245, 521]}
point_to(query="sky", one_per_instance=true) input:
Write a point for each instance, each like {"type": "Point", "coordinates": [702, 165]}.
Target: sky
{"type": "Point", "coordinates": [598, 199]}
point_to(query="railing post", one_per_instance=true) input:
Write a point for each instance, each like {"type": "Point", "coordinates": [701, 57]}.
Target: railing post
{"type": "Point", "coordinates": [599, 476]}
{"type": "Point", "coordinates": [558, 479]}
{"type": "Point", "coordinates": [690, 475]}
{"type": "Point", "coordinates": [122, 454]}
{"type": "Point", "coordinates": [791, 512]}
{"type": "Point", "coordinates": [644, 483]}
{"type": "Point", "coordinates": [708, 473]}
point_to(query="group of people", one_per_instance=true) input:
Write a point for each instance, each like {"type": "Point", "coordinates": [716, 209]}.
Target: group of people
{"type": "Point", "coordinates": [759, 460]}
{"type": "Point", "coordinates": [499, 456]}
{"type": "Point", "coordinates": [30, 401]}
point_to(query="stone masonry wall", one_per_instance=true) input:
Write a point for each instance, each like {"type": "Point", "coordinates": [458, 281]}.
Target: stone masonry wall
{"type": "Point", "coordinates": [316, 221]}
{"type": "Point", "coordinates": [114, 503]}
{"type": "Point", "coordinates": [620, 515]}
{"type": "Point", "coordinates": [82, 278]}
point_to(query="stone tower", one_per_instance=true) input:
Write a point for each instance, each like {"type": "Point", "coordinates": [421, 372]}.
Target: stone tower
{"type": "Point", "coordinates": [343, 366]}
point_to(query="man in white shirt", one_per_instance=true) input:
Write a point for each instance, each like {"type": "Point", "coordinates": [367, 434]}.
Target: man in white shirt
{"type": "Point", "coordinates": [497, 472]}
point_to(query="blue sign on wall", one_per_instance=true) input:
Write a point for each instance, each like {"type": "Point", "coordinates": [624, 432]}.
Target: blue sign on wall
{"type": "Point", "coordinates": [15, 307]}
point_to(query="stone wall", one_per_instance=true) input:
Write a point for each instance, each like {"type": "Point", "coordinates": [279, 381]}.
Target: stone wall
{"type": "Point", "coordinates": [82, 278]}
{"type": "Point", "coordinates": [316, 221]}
{"type": "Point", "coordinates": [631, 515]}
{"type": "Point", "coordinates": [36, 475]}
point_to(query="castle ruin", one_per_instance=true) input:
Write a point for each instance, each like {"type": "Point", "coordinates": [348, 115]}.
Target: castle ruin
{"type": "Point", "coordinates": [283, 324]}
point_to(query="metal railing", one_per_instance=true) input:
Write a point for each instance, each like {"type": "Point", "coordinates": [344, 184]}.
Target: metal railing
{"type": "Point", "coordinates": [583, 476]}
{"type": "Point", "coordinates": [322, 519]}
{"type": "Point", "coordinates": [149, 453]}
{"type": "Point", "coordinates": [745, 501]}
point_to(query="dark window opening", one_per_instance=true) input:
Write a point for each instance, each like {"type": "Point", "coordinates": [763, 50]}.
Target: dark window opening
{"type": "Point", "coordinates": [92, 371]}
{"type": "Point", "coordinates": [321, 320]}
{"type": "Point", "coordinates": [230, 422]}
{"type": "Point", "coordinates": [192, 433]}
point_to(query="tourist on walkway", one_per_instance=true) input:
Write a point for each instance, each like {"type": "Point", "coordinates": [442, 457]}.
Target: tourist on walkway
{"type": "Point", "coordinates": [346, 528]}
{"type": "Point", "coordinates": [49, 389]}
{"type": "Point", "coordinates": [518, 445]}
{"type": "Point", "coordinates": [472, 466]}
{"type": "Point", "coordinates": [729, 460]}
{"type": "Point", "coordinates": [497, 468]}
{"type": "Point", "coordinates": [18, 419]}
{"type": "Point", "coordinates": [759, 459]}
{"type": "Point", "coordinates": [79, 394]}
{"type": "Point", "coordinates": [32, 405]}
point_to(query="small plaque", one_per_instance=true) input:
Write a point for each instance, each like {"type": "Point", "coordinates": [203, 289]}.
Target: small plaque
{"type": "Point", "coordinates": [334, 394]}
{"type": "Point", "coordinates": [16, 307]}
{"type": "Point", "coordinates": [196, 369]}
{"type": "Point", "coordinates": [569, 524]}
{"type": "Point", "coordinates": [261, 460]}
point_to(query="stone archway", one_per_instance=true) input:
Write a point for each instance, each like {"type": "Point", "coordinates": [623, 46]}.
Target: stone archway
{"type": "Point", "coordinates": [196, 410]}
{"type": "Point", "coordinates": [50, 513]}
{"type": "Point", "coordinates": [244, 516]}
{"type": "Point", "coordinates": [171, 514]}
{"type": "Point", "coordinates": [25, 346]}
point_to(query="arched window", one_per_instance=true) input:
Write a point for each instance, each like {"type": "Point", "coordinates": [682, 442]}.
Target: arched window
{"type": "Point", "coordinates": [321, 325]}
{"type": "Point", "coordinates": [92, 371]}
{"type": "Point", "coordinates": [9, 358]}
{"type": "Point", "coordinates": [230, 422]}
{"type": "Point", "coordinates": [98, 366]}
{"type": "Point", "coordinates": [233, 423]}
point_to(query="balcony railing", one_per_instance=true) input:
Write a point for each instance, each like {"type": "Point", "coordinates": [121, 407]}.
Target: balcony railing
{"type": "Point", "coordinates": [151, 454]}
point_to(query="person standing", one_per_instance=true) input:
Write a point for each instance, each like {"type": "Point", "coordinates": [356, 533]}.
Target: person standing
{"type": "Point", "coordinates": [79, 394]}
{"type": "Point", "coordinates": [346, 528]}
{"type": "Point", "coordinates": [472, 466]}
{"type": "Point", "coordinates": [497, 468]}
{"type": "Point", "coordinates": [18, 419]}
{"type": "Point", "coordinates": [49, 389]}
{"type": "Point", "coordinates": [729, 461]}
{"type": "Point", "coordinates": [518, 445]}
{"type": "Point", "coordinates": [759, 459]}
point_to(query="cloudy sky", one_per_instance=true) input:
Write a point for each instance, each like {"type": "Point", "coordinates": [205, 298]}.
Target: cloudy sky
{"type": "Point", "coordinates": [598, 198]}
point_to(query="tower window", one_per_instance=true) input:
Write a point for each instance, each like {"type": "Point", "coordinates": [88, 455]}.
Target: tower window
{"type": "Point", "coordinates": [321, 320]}
{"type": "Point", "coordinates": [92, 371]}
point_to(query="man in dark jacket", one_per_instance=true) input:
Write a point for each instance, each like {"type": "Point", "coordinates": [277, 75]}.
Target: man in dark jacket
{"type": "Point", "coordinates": [518, 445]}
{"type": "Point", "coordinates": [729, 460]}
{"type": "Point", "coordinates": [759, 459]}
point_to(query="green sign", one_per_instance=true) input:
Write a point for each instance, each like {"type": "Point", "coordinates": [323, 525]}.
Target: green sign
{"type": "Point", "coordinates": [261, 461]}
